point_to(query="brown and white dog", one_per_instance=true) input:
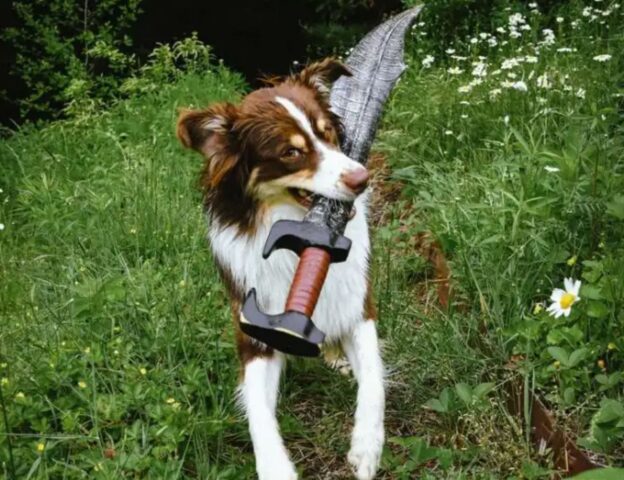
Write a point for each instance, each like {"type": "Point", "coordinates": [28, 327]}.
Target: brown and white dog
{"type": "Point", "coordinates": [263, 160]}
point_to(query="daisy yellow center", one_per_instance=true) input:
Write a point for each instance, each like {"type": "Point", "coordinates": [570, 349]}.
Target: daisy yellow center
{"type": "Point", "coordinates": [567, 300]}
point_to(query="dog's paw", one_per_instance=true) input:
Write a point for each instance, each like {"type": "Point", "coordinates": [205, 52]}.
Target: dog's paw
{"type": "Point", "coordinates": [365, 454]}
{"type": "Point", "coordinates": [276, 469]}
{"type": "Point", "coordinates": [341, 365]}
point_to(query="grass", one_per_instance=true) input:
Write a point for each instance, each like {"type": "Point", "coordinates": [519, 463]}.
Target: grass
{"type": "Point", "coordinates": [116, 351]}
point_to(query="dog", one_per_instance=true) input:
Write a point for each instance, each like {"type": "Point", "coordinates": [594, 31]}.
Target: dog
{"type": "Point", "coordinates": [264, 159]}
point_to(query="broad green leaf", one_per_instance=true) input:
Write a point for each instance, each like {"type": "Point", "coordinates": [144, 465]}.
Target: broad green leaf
{"type": "Point", "coordinates": [481, 390]}
{"type": "Point", "coordinates": [601, 474]}
{"type": "Point", "coordinates": [591, 292]}
{"type": "Point", "coordinates": [559, 353]}
{"type": "Point", "coordinates": [615, 207]}
{"type": "Point", "coordinates": [577, 356]}
{"type": "Point", "coordinates": [464, 392]}
{"type": "Point", "coordinates": [597, 309]}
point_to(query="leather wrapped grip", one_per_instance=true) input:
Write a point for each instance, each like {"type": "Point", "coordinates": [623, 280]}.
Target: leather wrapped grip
{"type": "Point", "coordinates": [308, 280]}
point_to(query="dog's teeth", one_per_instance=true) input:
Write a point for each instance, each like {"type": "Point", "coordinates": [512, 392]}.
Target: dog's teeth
{"type": "Point", "coordinates": [302, 193]}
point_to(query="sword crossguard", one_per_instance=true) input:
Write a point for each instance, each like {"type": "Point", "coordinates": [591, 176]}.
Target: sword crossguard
{"type": "Point", "coordinates": [293, 331]}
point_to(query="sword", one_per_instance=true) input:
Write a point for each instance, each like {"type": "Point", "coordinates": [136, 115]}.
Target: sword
{"type": "Point", "coordinates": [376, 63]}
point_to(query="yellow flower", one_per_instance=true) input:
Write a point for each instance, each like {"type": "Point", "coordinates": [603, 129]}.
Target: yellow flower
{"type": "Point", "coordinates": [20, 396]}
{"type": "Point", "coordinates": [557, 364]}
{"type": "Point", "coordinates": [537, 308]}
{"type": "Point", "coordinates": [171, 400]}
{"type": "Point", "coordinates": [3, 365]}
{"type": "Point", "coordinates": [572, 261]}
{"type": "Point", "coordinates": [601, 364]}
{"type": "Point", "coordinates": [87, 350]}
{"type": "Point", "coordinates": [82, 384]}
{"type": "Point", "coordinates": [133, 231]}
{"type": "Point", "coordinates": [4, 381]}
{"type": "Point", "coordinates": [182, 284]}
{"type": "Point", "coordinates": [611, 346]}
{"type": "Point", "coordinates": [40, 447]}
{"type": "Point", "coordinates": [143, 371]}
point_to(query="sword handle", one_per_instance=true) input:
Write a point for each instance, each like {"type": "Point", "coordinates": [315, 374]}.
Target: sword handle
{"type": "Point", "coordinates": [308, 280]}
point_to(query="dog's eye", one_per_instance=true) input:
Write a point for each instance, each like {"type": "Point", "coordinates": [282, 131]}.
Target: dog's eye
{"type": "Point", "coordinates": [292, 153]}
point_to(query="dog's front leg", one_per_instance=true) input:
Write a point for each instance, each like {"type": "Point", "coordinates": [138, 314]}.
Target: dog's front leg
{"type": "Point", "coordinates": [259, 391]}
{"type": "Point", "coordinates": [362, 350]}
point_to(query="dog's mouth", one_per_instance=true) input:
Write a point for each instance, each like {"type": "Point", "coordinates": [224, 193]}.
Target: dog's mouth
{"type": "Point", "coordinates": [304, 198]}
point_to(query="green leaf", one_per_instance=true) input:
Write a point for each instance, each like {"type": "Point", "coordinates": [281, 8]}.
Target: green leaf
{"type": "Point", "coordinates": [597, 309]}
{"type": "Point", "coordinates": [615, 207]}
{"type": "Point", "coordinates": [577, 356]}
{"type": "Point", "coordinates": [464, 392]}
{"type": "Point", "coordinates": [591, 292]}
{"type": "Point", "coordinates": [610, 411]}
{"type": "Point", "coordinates": [559, 353]}
{"type": "Point", "coordinates": [435, 405]}
{"type": "Point", "coordinates": [601, 474]}
{"type": "Point", "coordinates": [481, 390]}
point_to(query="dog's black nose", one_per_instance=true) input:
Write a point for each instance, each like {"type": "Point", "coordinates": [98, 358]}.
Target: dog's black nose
{"type": "Point", "coordinates": [356, 180]}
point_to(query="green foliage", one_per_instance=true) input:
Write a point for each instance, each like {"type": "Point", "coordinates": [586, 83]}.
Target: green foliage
{"type": "Point", "coordinates": [511, 154]}
{"type": "Point", "coordinates": [67, 49]}
{"type": "Point", "coordinates": [601, 474]}
{"type": "Point", "coordinates": [113, 360]}
{"type": "Point", "coordinates": [413, 455]}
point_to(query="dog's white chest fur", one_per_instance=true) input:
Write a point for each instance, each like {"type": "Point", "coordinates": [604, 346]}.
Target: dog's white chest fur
{"type": "Point", "coordinates": [341, 303]}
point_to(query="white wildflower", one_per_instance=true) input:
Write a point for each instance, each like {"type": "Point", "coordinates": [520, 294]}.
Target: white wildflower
{"type": "Point", "coordinates": [559, 19]}
{"type": "Point", "coordinates": [473, 40]}
{"type": "Point", "coordinates": [543, 81]}
{"type": "Point", "coordinates": [602, 58]}
{"type": "Point", "coordinates": [530, 59]}
{"type": "Point", "coordinates": [465, 89]}
{"type": "Point", "coordinates": [500, 30]}
{"type": "Point", "coordinates": [455, 71]}
{"type": "Point", "coordinates": [520, 86]}
{"type": "Point", "coordinates": [516, 19]}
{"type": "Point", "coordinates": [495, 92]}
{"type": "Point", "coordinates": [492, 42]}
{"type": "Point", "coordinates": [448, 132]}
{"type": "Point", "coordinates": [587, 11]}
{"type": "Point", "coordinates": [564, 299]}
{"type": "Point", "coordinates": [479, 70]}
{"type": "Point", "coordinates": [428, 61]}
{"type": "Point", "coordinates": [564, 50]}
{"type": "Point", "coordinates": [514, 34]}
{"type": "Point", "coordinates": [506, 119]}
{"type": "Point", "coordinates": [450, 51]}
{"type": "Point", "coordinates": [549, 37]}
{"type": "Point", "coordinates": [1, 226]}
{"type": "Point", "coordinates": [580, 93]}
{"type": "Point", "coordinates": [550, 169]}
{"type": "Point", "coordinates": [533, 5]}
{"type": "Point", "coordinates": [509, 63]}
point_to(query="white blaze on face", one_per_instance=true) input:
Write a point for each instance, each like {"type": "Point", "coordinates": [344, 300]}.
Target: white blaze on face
{"type": "Point", "coordinates": [332, 162]}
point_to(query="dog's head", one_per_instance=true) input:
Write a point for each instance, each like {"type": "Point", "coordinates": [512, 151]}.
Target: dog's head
{"type": "Point", "coordinates": [279, 145]}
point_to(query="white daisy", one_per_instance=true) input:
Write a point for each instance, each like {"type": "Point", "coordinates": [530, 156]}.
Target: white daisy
{"type": "Point", "coordinates": [455, 71]}
{"type": "Point", "coordinates": [564, 299]}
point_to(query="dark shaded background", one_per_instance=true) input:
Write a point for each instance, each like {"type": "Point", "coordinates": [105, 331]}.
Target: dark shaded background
{"type": "Point", "coordinates": [252, 36]}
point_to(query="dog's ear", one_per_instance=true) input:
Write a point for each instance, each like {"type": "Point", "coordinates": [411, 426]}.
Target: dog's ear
{"type": "Point", "coordinates": [321, 75]}
{"type": "Point", "coordinates": [209, 131]}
